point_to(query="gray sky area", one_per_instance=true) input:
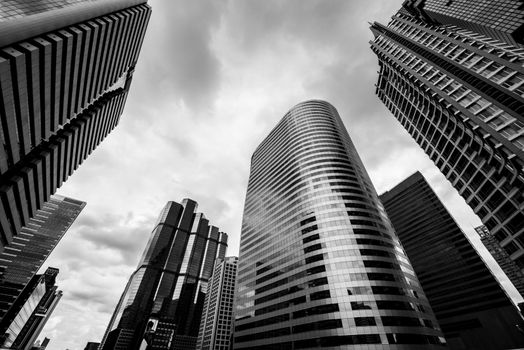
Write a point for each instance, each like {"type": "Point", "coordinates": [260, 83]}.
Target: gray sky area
{"type": "Point", "coordinates": [213, 78]}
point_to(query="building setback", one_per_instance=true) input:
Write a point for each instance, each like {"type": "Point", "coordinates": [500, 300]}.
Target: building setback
{"type": "Point", "coordinates": [34, 307]}
{"type": "Point", "coordinates": [65, 71]}
{"type": "Point", "coordinates": [460, 95]}
{"type": "Point", "coordinates": [216, 325]}
{"type": "Point", "coordinates": [470, 305]}
{"type": "Point", "coordinates": [320, 265]}
{"type": "Point", "coordinates": [20, 261]}
{"type": "Point", "coordinates": [164, 298]}
{"type": "Point", "coordinates": [501, 256]}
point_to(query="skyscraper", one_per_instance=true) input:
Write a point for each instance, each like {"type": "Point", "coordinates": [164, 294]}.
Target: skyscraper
{"type": "Point", "coordinates": [34, 307]}
{"type": "Point", "coordinates": [499, 19]}
{"type": "Point", "coordinates": [216, 325]}
{"type": "Point", "coordinates": [460, 95]}
{"type": "Point", "coordinates": [470, 305]}
{"type": "Point", "coordinates": [20, 261]}
{"type": "Point", "coordinates": [163, 300]}
{"type": "Point", "coordinates": [65, 71]}
{"type": "Point", "coordinates": [501, 256]}
{"type": "Point", "coordinates": [320, 265]}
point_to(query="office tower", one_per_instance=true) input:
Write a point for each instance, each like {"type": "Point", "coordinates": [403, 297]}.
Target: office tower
{"type": "Point", "coordinates": [21, 260]}
{"type": "Point", "coordinates": [320, 265]}
{"type": "Point", "coordinates": [65, 71]}
{"type": "Point", "coordinates": [92, 346]}
{"type": "Point", "coordinates": [460, 95]}
{"type": "Point", "coordinates": [470, 305]}
{"type": "Point", "coordinates": [501, 256]}
{"type": "Point", "coordinates": [217, 316]}
{"type": "Point", "coordinates": [162, 303]}
{"type": "Point", "coordinates": [34, 307]}
{"type": "Point", "coordinates": [499, 19]}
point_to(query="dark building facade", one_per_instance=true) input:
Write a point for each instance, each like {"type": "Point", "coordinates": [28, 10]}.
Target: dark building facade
{"type": "Point", "coordinates": [216, 324]}
{"type": "Point", "coordinates": [65, 71]}
{"type": "Point", "coordinates": [164, 298]}
{"type": "Point", "coordinates": [501, 256]}
{"type": "Point", "coordinates": [92, 346]}
{"type": "Point", "coordinates": [460, 95]}
{"type": "Point", "coordinates": [320, 265]}
{"type": "Point", "coordinates": [34, 307]}
{"type": "Point", "coordinates": [470, 305]}
{"type": "Point", "coordinates": [21, 260]}
{"type": "Point", "coordinates": [499, 19]}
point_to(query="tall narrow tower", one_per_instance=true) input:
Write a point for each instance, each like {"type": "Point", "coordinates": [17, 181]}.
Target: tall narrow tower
{"type": "Point", "coordinates": [163, 300]}
{"type": "Point", "coordinates": [470, 305]}
{"type": "Point", "coordinates": [65, 71]}
{"type": "Point", "coordinates": [452, 73]}
{"type": "Point", "coordinates": [320, 265]}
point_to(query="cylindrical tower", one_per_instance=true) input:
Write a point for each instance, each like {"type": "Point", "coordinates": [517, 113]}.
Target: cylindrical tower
{"type": "Point", "coordinates": [320, 265]}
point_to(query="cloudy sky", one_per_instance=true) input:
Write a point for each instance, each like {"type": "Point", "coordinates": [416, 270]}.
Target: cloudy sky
{"type": "Point", "coordinates": [212, 80]}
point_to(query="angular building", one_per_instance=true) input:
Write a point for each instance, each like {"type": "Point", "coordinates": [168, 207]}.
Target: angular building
{"type": "Point", "coordinates": [65, 71]}
{"type": "Point", "coordinates": [498, 19]}
{"type": "Point", "coordinates": [320, 265]}
{"type": "Point", "coordinates": [163, 301]}
{"type": "Point", "coordinates": [21, 260]}
{"type": "Point", "coordinates": [460, 95]}
{"type": "Point", "coordinates": [216, 325]}
{"type": "Point", "coordinates": [470, 305]}
{"type": "Point", "coordinates": [34, 307]}
{"type": "Point", "coordinates": [501, 256]}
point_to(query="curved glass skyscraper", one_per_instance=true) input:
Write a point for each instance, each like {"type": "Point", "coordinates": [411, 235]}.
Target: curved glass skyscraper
{"type": "Point", "coordinates": [320, 265]}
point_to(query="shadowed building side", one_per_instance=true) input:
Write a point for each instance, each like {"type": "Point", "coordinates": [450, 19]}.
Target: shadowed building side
{"type": "Point", "coordinates": [471, 307]}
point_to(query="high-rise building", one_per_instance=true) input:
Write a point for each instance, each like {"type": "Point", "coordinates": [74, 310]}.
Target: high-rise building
{"type": "Point", "coordinates": [65, 71]}
{"type": "Point", "coordinates": [34, 307]}
{"type": "Point", "coordinates": [216, 325]}
{"type": "Point", "coordinates": [164, 298]}
{"type": "Point", "coordinates": [501, 256]}
{"type": "Point", "coordinates": [320, 265]}
{"type": "Point", "coordinates": [499, 19]}
{"type": "Point", "coordinates": [460, 95]}
{"type": "Point", "coordinates": [22, 259]}
{"type": "Point", "coordinates": [471, 307]}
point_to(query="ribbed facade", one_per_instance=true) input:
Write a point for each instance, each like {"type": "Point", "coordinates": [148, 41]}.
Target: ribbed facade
{"type": "Point", "coordinates": [62, 91]}
{"type": "Point", "coordinates": [501, 256]}
{"type": "Point", "coordinates": [320, 265]}
{"type": "Point", "coordinates": [216, 325]}
{"type": "Point", "coordinates": [470, 305]}
{"type": "Point", "coordinates": [20, 261]}
{"type": "Point", "coordinates": [34, 307]}
{"type": "Point", "coordinates": [460, 95]}
{"type": "Point", "coordinates": [499, 19]}
{"type": "Point", "coordinates": [164, 297]}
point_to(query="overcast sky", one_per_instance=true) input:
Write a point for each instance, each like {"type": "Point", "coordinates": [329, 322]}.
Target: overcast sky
{"type": "Point", "coordinates": [213, 78]}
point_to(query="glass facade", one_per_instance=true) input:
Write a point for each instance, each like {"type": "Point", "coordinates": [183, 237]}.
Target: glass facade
{"type": "Point", "coordinates": [217, 316]}
{"type": "Point", "coordinates": [64, 81]}
{"type": "Point", "coordinates": [163, 300]}
{"type": "Point", "coordinates": [501, 256]}
{"type": "Point", "coordinates": [20, 261]}
{"type": "Point", "coordinates": [33, 308]}
{"type": "Point", "coordinates": [499, 19]}
{"type": "Point", "coordinates": [460, 95]}
{"type": "Point", "coordinates": [320, 265]}
{"type": "Point", "coordinates": [470, 305]}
